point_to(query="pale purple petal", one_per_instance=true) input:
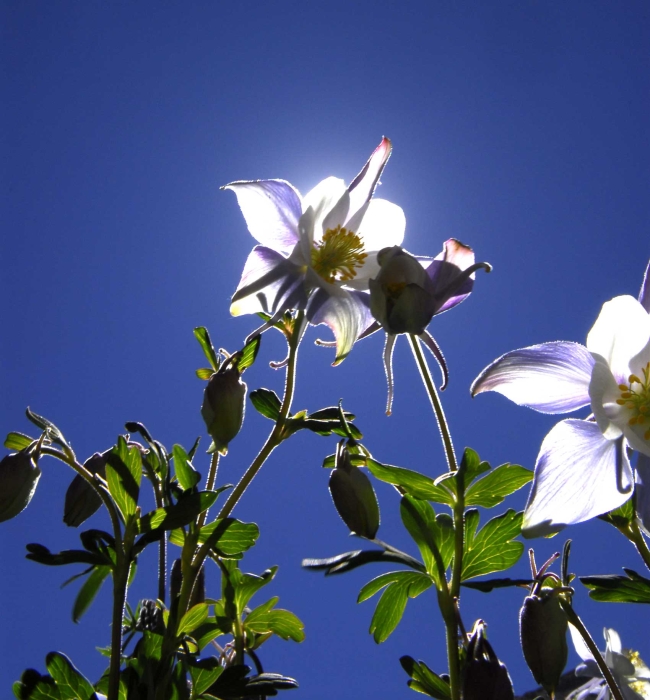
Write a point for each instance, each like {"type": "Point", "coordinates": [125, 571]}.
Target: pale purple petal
{"type": "Point", "coordinates": [435, 350]}
{"type": "Point", "coordinates": [271, 209]}
{"type": "Point", "coordinates": [578, 475]}
{"type": "Point", "coordinates": [642, 491]}
{"type": "Point", "coordinates": [269, 283]}
{"type": "Point", "coordinates": [344, 313]}
{"type": "Point", "coordinates": [550, 378]}
{"type": "Point", "coordinates": [322, 199]}
{"type": "Point", "coordinates": [644, 294]}
{"type": "Point", "coordinates": [444, 270]}
{"type": "Point", "coordinates": [363, 186]}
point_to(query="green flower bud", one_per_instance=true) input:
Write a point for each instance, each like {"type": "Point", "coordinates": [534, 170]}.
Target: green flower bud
{"type": "Point", "coordinates": [19, 475]}
{"type": "Point", "coordinates": [223, 406]}
{"type": "Point", "coordinates": [353, 496]}
{"type": "Point", "coordinates": [484, 677]}
{"type": "Point", "coordinates": [543, 628]}
{"type": "Point", "coordinates": [81, 499]}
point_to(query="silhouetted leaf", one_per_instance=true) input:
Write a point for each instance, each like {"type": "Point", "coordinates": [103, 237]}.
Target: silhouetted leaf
{"type": "Point", "coordinates": [632, 588]}
{"type": "Point", "coordinates": [88, 591]}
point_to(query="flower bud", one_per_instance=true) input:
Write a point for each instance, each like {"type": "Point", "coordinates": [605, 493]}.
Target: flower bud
{"type": "Point", "coordinates": [19, 475]}
{"type": "Point", "coordinates": [353, 496]}
{"type": "Point", "coordinates": [484, 677]}
{"type": "Point", "coordinates": [543, 628]}
{"type": "Point", "coordinates": [223, 406]}
{"type": "Point", "coordinates": [401, 296]}
{"type": "Point", "coordinates": [81, 499]}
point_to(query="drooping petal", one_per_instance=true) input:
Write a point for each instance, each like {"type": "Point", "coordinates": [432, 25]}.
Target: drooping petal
{"type": "Point", "coordinates": [269, 283]}
{"type": "Point", "coordinates": [621, 331]}
{"type": "Point", "coordinates": [642, 491]}
{"type": "Point", "coordinates": [578, 475]}
{"type": "Point", "coordinates": [271, 209]}
{"type": "Point", "coordinates": [363, 186]}
{"type": "Point", "coordinates": [644, 294]}
{"type": "Point", "coordinates": [550, 378]}
{"type": "Point", "coordinates": [344, 313]}
{"type": "Point", "coordinates": [435, 350]}
{"type": "Point", "coordinates": [322, 199]}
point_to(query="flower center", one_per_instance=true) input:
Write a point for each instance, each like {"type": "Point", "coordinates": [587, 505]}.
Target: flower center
{"type": "Point", "coordinates": [338, 255]}
{"type": "Point", "coordinates": [635, 396]}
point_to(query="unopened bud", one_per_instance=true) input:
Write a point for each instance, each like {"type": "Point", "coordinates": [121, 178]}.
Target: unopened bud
{"type": "Point", "coordinates": [223, 406]}
{"type": "Point", "coordinates": [81, 499]}
{"type": "Point", "coordinates": [543, 627]}
{"type": "Point", "coordinates": [19, 475]}
{"type": "Point", "coordinates": [353, 496]}
{"type": "Point", "coordinates": [484, 677]}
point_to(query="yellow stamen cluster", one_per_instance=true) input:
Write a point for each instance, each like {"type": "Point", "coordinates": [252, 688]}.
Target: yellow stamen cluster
{"type": "Point", "coordinates": [640, 686]}
{"type": "Point", "coordinates": [635, 396]}
{"type": "Point", "coordinates": [338, 255]}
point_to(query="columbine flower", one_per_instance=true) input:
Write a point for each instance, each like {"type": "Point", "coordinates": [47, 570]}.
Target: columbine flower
{"type": "Point", "coordinates": [408, 292]}
{"type": "Point", "coordinates": [317, 253]}
{"type": "Point", "coordinates": [583, 469]}
{"type": "Point", "coordinates": [630, 673]}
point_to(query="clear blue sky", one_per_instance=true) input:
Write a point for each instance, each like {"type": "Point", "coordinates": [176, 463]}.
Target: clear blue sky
{"type": "Point", "coordinates": [521, 128]}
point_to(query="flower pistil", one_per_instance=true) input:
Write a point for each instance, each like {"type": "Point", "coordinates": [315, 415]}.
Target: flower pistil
{"type": "Point", "coordinates": [338, 255]}
{"type": "Point", "coordinates": [635, 396]}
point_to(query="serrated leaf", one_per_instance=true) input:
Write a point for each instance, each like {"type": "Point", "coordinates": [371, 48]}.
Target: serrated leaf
{"type": "Point", "coordinates": [391, 605]}
{"type": "Point", "coordinates": [248, 353]}
{"type": "Point", "coordinates": [18, 441]}
{"type": "Point", "coordinates": [622, 516]}
{"type": "Point", "coordinates": [34, 686]}
{"type": "Point", "coordinates": [499, 483]}
{"type": "Point", "coordinates": [185, 473]}
{"type": "Point", "coordinates": [123, 475]}
{"type": "Point", "coordinates": [471, 466]}
{"type": "Point", "coordinates": [232, 536]}
{"type": "Point", "coordinates": [424, 680]}
{"type": "Point", "coordinates": [202, 335]}
{"type": "Point", "coordinates": [70, 683]}
{"type": "Point", "coordinates": [267, 403]}
{"type": "Point", "coordinates": [433, 536]}
{"type": "Point", "coordinates": [282, 623]}
{"type": "Point", "coordinates": [89, 590]}
{"type": "Point", "coordinates": [492, 548]}
{"type": "Point", "coordinates": [415, 484]}
{"type": "Point", "coordinates": [204, 673]}
{"type": "Point", "coordinates": [632, 588]}
{"type": "Point", "coordinates": [193, 618]}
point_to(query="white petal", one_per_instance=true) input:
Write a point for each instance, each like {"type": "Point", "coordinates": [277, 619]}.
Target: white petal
{"type": "Point", "coordinates": [604, 392]}
{"type": "Point", "coordinates": [364, 184]}
{"type": "Point", "coordinates": [578, 475]}
{"type": "Point", "coordinates": [383, 225]}
{"type": "Point", "coordinates": [551, 377]}
{"type": "Point", "coordinates": [612, 640]}
{"type": "Point", "coordinates": [271, 209]}
{"type": "Point", "coordinates": [322, 199]}
{"type": "Point", "coordinates": [621, 331]}
{"type": "Point", "coordinates": [579, 643]}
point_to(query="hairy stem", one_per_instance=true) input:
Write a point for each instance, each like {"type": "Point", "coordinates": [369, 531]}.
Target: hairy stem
{"type": "Point", "coordinates": [209, 485]}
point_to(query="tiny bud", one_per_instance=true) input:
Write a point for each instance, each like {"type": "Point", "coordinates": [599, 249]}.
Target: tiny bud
{"type": "Point", "coordinates": [353, 496]}
{"type": "Point", "coordinates": [81, 499]}
{"type": "Point", "coordinates": [484, 677]}
{"type": "Point", "coordinates": [19, 475]}
{"type": "Point", "coordinates": [223, 406]}
{"type": "Point", "coordinates": [543, 628]}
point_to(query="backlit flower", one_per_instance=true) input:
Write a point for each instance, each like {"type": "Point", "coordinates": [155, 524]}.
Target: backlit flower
{"type": "Point", "coordinates": [317, 252]}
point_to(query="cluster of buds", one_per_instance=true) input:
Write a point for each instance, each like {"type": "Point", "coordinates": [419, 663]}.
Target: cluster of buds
{"type": "Point", "coordinates": [484, 677]}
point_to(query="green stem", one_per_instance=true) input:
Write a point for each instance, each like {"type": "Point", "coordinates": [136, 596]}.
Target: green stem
{"type": "Point", "coordinates": [276, 436]}
{"type": "Point", "coordinates": [584, 633]}
{"type": "Point", "coordinates": [435, 402]}
{"type": "Point", "coordinates": [638, 540]}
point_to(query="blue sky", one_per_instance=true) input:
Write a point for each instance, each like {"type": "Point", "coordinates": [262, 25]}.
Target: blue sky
{"type": "Point", "coordinates": [520, 128]}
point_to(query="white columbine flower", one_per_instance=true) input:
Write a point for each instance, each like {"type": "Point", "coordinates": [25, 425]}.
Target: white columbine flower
{"type": "Point", "coordinates": [317, 252]}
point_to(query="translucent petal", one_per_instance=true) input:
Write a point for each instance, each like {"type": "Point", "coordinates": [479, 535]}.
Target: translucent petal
{"type": "Point", "coordinates": [550, 378]}
{"type": "Point", "coordinates": [271, 209]}
{"type": "Point", "coordinates": [364, 184]}
{"type": "Point", "coordinates": [383, 225]}
{"type": "Point", "coordinates": [644, 294]}
{"type": "Point", "coordinates": [322, 199]}
{"type": "Point", "coordinates": [578, 475]}
{"type": "Point", "coordinates": [642, 491]}
{"type": "Point", "coordinates": [603, 393]}
{"type": "Point", "coordinates": [621, 331]}
{"type": "Point", "coordinates": [579, 644]}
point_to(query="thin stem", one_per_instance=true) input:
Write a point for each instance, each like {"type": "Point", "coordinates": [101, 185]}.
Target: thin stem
{"type": "Point", "coordinates": [435, 402]}
{"type": "Point", "coordinates": [584, 633]}
{"type": "Point", "coordinates": [638, 540]}
{"type": "Point", "coordinates": [209, 486]}
{"type": "Point", "coordinates": [276, 436]}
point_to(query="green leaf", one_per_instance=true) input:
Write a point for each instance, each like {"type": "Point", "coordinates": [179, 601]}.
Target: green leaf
{"type": "Point", "coordinates": [632, 588]}
{"type": "Point", "coordinates": [208, 631]}
{"type": "Point", "coordinates": [248, 353]}
{"type": "Point", "coordinates": [204, 373]}
{"type": "Point", "coordinates": [376, 584]}
{"type": "Point", "coordinates": [187, 476]}
{"type": "Point", "coordinates": [189, 506]}
{"type": "Point", "coordinates": [415, 484]}
{"type": "Point", "coordinates": [229, 536]}
{"type": "Point", "coordinates": [331, 413]}
{"type": "Point", "coordinates": [70, 683]}
{"type": "Point", "coordinates": [44, 424]}
{"type": "Point", "coordinates": [18, 441]}
{"type": "Point", "coordinates": [248, 586]}
{"type": "Point", "coordinates": [347, 561]}
{"type": "Point", "coordinates": [433, 536]}
{"type": "Point", "coordinates": [282, 623]}
{"type": "Point", "coordinates": [267, 403]}
{"type": "Point", "coordinates": [204, 673]}
{"type": "Point", "coordinates": [424, 680]}
{"type": "Point", "coordinates": [391, 605]}
{"type": "Point", "coordinates": [471, 466]}
{"type": "Point", "coordinates": [499, 483]}
{"type": "Point", "coordinates": [492, 548]}
{"type": "Point", "coordinates": [193, 618]}
{"type": "Point", "coordinates": [34, 686]}
{"type": "Point", "coordinates": [202, 335]}
{"type": "Point", "coordinates": [622, 516]}
{"type": "Point", "coordinates": [42, 555]}
{"type": "Point", "coordinates": [123, 474]}
{"type": "Point", "coordinates": [88, 591]}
